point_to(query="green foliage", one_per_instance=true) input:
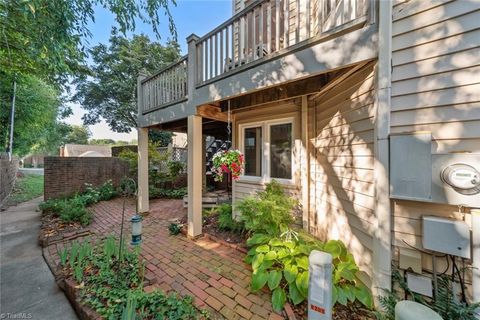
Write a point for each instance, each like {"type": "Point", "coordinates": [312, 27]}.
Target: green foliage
{"type": "Point", "coordinates": [160, 137]}
{"type": "Point", "coordinates": [113, 286]}
{"type": "Point", "coordinates": [26, 188]}
{"type": "Point", "coordinates": [167, 193]}
{"type": "Point", "coordinates": [130, 309]}
{"type": "Point", "coordinates": [63, 254]}
{"type": "Point", "coordinates": [109, 92]}
{"type": "Point", "coordinates": [107, 191]}
{"type": "Point", "coordinates": [38, 110]}
{"type": "Point", "coordinates": [279, 255]}
{"type": "Point", "coordinates": [283, 266]}
{"type": "Point", "coordinates": [174, 228]}
{"type": "Point", "coordinates": [226, 220]}
{"type": "Point", "coordinates": [77, 135]}
{"type": "Point", "coordinates": [154, 159]}
{"type": "Point", "coordinates": [46, 38]}
{"type": "Point", "coordinates": [175, 168]}
{"type": "Point", "coordinates": [446, 304]}
{"type": "Point", "coordinates": [269, 212]}
{"type": "Point", "coordinates": [74, 209]}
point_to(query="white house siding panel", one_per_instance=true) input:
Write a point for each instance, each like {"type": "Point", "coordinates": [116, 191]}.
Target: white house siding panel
{"type": "Point", "coordinates": [342, 185]}
{"type": "Point", "coordinates": [436, 88]}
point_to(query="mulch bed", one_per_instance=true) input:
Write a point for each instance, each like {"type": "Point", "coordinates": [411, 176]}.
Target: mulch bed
{"type": "Point", "coordinates": [54, 230]}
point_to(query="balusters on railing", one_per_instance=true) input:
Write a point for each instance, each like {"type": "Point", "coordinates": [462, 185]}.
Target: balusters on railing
{"type": "Point", "coordinates": [268, 26]}
{"type": "Point", "coordinates": [166, 86]}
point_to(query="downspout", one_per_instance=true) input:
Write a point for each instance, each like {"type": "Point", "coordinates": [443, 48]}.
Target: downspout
{"type": "Point", "coordinates": [382, 242]}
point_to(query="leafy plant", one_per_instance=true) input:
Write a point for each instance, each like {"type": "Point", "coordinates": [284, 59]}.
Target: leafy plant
{"type": "Point", "coordinates": [73, 254]}
{"type": "Point", "coordinates": [63, 254]}
{"type": "Point", "coordinates": [175, 168]}
{"type": "Point", "coordinates": [174, 228]}
{"type": "Point", "coordinates": [282, 265]}
{"type": "Point", "coordinates": [114, 286]}
{"type": "Point", "coordinates": [73, 209]}
{"type": "Point", "coordinates": [129, 311]}
{"type": "Point", "coordinates": [167, 193]}
{"type": "Point", "coordinates": [269, 212]}
{"type": "Point", "coordinates": [226, 221]}
{"type": "Point", "coordinates": [107, 191]}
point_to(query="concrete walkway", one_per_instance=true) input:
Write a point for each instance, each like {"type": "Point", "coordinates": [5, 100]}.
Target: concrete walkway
{"type": "Point", "coordinates": [27, 287]}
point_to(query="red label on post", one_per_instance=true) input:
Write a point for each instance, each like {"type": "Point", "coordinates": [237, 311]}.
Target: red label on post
{"type": "Point", "coordinates": [317, 308]}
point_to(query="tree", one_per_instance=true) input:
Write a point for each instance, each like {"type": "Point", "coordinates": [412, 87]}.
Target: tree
{"type": "Point", "coordinates": [161, 138]}
{"type": "Point", "coordinates": [45, 37]}
{"type": "Point", "coordinates": [39, 110]}
{"type": "Point", "coordinates": [110, 92]}
{"type": "Point", "coordinates": [77, 135]}
{"type": "Point", "coordinates": [101, 141]}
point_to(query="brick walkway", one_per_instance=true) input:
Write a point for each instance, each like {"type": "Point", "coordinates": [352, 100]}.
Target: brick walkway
{"type": "Point", "coordinates": [213, 274]}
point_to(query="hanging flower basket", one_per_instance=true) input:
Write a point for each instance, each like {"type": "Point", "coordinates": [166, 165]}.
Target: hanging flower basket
{"type": "Point", "coordinates": [227, 161]}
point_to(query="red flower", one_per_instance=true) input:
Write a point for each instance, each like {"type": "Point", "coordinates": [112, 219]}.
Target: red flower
{"type": "Point", "coordinates": [225, 168]}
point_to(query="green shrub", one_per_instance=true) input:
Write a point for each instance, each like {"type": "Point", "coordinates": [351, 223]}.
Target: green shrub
{"type": "Point", "coordinates": [175, 168]}
{"type": "Point", "coordinates": [167, 193]}
{"type": "Point", "coordinates": [107, 191]}
{"type": "Point", "coordinates": [279, 255]}
{"type": "Point", "coordinates": [282, 265]}
{"type": "Point", "coordinates": [74, 209]}
{"type": "Point", "coordinates": [269, 212]}
{"type": "Point", "coordinates": [226, 221]}
{"type": "Point", "coordinates": [174, 228]}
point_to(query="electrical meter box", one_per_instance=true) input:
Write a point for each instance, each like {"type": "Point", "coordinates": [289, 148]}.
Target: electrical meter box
{"type": "Point", "coordinates": [446, 236]}
{"type": "Point", "coordinates": [417, 174]}
{"type": "Point", "coordinates": [456, 179]}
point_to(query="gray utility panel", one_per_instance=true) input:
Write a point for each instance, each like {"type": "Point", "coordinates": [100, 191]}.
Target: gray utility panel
{"type": "Point", "coordinates": [417, 174]}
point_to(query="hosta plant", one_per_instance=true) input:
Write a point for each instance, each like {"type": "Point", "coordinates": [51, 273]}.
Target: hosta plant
{"type": "Point", "coordinates": [282, 265]}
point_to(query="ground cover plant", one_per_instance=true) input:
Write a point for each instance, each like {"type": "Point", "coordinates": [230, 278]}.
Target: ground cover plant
{"type": "Point", "coordinates": [111, 282]}
{"type": "Point", "coordinates": [74, 209]}
{"type": "Point", "coordinates": [26, 188]}
{"type": "Point", "coordinates": [279, 255]}
{"type": "Point", "coordinates": [167, 193]}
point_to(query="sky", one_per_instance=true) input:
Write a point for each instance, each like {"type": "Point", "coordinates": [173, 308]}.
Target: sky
{"type": "Point", "coordinates": [190, 16]}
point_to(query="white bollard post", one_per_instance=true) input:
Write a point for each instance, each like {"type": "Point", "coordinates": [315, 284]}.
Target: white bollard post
{"type": "Point", "coordinates": [320, 286]}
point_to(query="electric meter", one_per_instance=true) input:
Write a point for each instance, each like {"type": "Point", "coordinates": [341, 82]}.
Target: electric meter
{"type": "Point", "coordinates": [462, 177]}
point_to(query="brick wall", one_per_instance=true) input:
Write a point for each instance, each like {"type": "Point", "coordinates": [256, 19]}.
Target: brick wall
{"type": "Point", "coordinates": [8, 171]}
{"type": "Point", "coordinates": [65, 176]}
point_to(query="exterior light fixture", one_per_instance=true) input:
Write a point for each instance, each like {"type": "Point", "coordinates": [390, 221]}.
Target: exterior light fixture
{"type": "Point", "coordinates": [136, 229]}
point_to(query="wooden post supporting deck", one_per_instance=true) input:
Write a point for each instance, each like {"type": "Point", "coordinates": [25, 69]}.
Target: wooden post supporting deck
{"type": "Point", "coordinates": [195, 154]}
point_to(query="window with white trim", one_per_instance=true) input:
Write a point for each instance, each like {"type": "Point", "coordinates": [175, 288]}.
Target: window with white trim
{"type": "Point", "coordinates": [268, 149]}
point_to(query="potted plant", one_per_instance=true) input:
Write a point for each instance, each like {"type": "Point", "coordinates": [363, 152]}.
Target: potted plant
{"type": "Point", "coordinates": [229, 162]}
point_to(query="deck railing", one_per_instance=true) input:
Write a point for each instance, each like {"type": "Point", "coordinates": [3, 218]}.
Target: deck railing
{"type": "Point", "coordinates": [266, 27]}
{"type": "Point", "coordinates": [167, 86]}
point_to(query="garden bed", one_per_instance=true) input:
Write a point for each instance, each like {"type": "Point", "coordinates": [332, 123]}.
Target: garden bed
{"type": "Point", "coordinates": [54, 229]}
{"type": "Point", "coordinates": [103, 282]}
{"type": "Point", "coordinates": [211, 228]}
